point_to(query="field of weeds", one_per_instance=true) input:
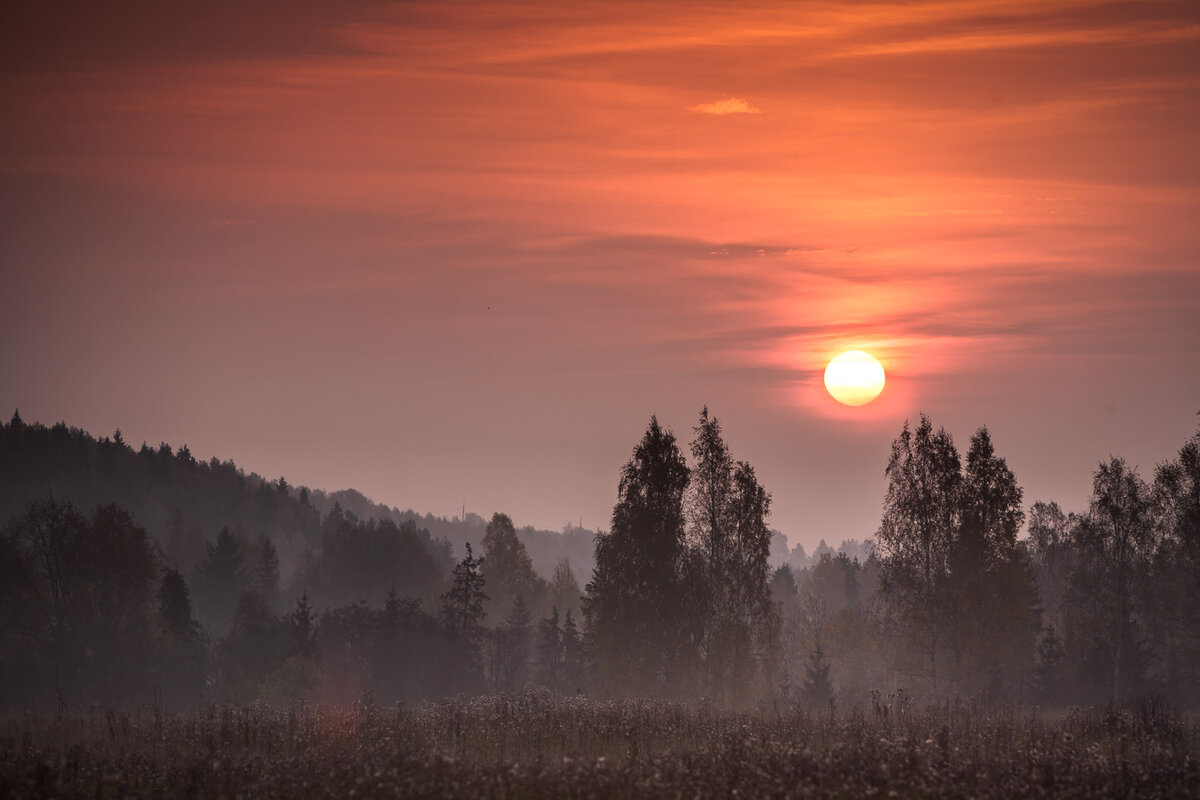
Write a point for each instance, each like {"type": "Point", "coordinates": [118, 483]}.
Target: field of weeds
{"type": "Point", "coordinates": [533, 746]}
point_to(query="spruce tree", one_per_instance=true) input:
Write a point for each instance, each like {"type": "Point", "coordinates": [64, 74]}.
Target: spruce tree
{"type": "Point", "coordinates": [221, 580]}
{"type": "Point", "coordinates": [301, 621]}
{"type": "Point", "coordinates": [266, 569]}
{"type": "Point", "coordinates": [175, 605]}
{"type": "Point", "coordinates": [462, 619]}
{"type": "Point", "coordinates": [636, 605]}
{"type": "Point", "coordinates": [550, 652]}
{"type": "Point", "coordinates": [573, 666]}
{"type": "Point", "coordinates": [515, 640]}
{"type": "Point", "coordinates": [818, 686]}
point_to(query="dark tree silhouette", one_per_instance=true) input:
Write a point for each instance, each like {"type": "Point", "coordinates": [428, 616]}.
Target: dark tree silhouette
{"type": "Point", "coordinates": [83, 589]}
{"type": "Point", "coordinates": [256, 647]}
{"type": "Point", "coordinates": [462, 618]}
{"type": "Point", "coordinates": [993, 622]}
{"type": "Point", "coordinates": [511, 648]}
{"type": "Point", "coordinates": [818, 686]}
{"type": "Point", "coordinates": [220, 581]}
{"type": "Point", "coordinates": [266, 570]}
{"type": "Point", "coordinates": [1051, 550]}
{"type": "Point", "coordinates": [635, 605]}
{"type": "Point", "coordinates": [916, 534]}
{"type": "Point", "coordinates": [507, 569]}
{"type": "Point", "coordinates": [175, 605]}
{"type": "Point", "coordinates": [1174, 596]}
{"type": "Point", "coordinates": [754, 654]}
{"type": "Point", "coordinates": [1118, 537]}
{"type": "Point", "coordinates": [574, 666]}
{"type": "Point", "coordinates": [301, 622]}
{"type": "Point", "coordinates": [550, 652]}
{"type": "Point", "coordinates": [710, 510]}
{"type": "Point", "coordinates": [363, 561]}
{"type": "Point", "coordinates": [182, 658]}
{"type": "Point", "coordinates": [565, 592]}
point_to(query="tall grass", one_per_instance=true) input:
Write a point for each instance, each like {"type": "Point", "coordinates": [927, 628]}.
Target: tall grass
{"type": "Point", "coordinates": [532, 745]}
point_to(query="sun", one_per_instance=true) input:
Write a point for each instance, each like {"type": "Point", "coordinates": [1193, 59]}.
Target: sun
{"type": "Point", "coordinates": [854, 378]}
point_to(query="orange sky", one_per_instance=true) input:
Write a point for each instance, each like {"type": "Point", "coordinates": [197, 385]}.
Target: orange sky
{"type": "Point", "coordinates": [461, 251]}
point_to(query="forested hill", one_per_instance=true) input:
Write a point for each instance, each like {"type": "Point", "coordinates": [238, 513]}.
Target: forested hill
{"type": "Point", "coordinates": [184, 502]}
{"type": "Point", "coordinates": [163, 488]}
{"type": "Point", "coordinates": [546, 548]}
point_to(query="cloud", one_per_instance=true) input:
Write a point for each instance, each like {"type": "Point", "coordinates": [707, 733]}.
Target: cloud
{"type": "Point", "coordinates": [79, 34]}
{"type": "Point", "coordinates": [1152, 33]}
{"type": "Point", "coordinates": [685, 247]}
{"type": "Point", "coordinates": [730, 105]}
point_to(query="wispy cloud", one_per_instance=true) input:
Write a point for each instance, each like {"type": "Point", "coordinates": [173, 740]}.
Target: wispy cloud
{"type": "Point", "coordinates": [1139, 34]}
{"type": "Point", "coordinates": [730, 105]}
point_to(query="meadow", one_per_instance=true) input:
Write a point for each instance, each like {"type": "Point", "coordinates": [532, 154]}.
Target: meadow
{"type": "Point", "coordinates": [533, 746]}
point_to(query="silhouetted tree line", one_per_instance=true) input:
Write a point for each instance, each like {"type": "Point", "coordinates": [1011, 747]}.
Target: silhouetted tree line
{"type": "Point", "coordinates": [546, 548]}
{"type": "Point", "coordinates": [1092, 607]}
{"type": "Point", "coordinates": [185, 503]}
{"type": "Point", "coordinates": [170, 492]}
{"type": "Point", "coordinates": [679, 603]}
{"type": "Point", "coordinates": [946, 602]}
{"type": "Point", "coordinates": [89, 612]}
{"type": "Point", "coordinates": [95, 609]}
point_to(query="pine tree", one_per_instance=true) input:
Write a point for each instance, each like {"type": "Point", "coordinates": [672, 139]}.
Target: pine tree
{"type": "Point", "coordinates": [818, 687]}
{"type": "Point", "coordinates": [221, 579]}
{"type": "Point", "coordinates": [181, 654]}
{"type": "Point", "coordinates": [463, 615]}
{"type": "Point", "coordinates": [175, 605]}
{"type": "Point", "coordinates": [462, 606]}
{"type": "Point", "coordinates": [514, 640]}
{"type": "Point", "coordinates": [636, 605]}
{"type": "Point", "coordinates": [709, 507]}
{"type": "Point", "coordinates": [573, 666]}
{"type": "Point", "coordinates": [989, 592]}
{"type": "Point", "coordinates": [301, 621]}
{"type": "Point", "coordinates": [550, 652]}
{"type": "Point", "coordinates": [506, 567]}
{"type": "Point", "coordinates": [266, 570]}
{"type": "Point", "coordinates": [391, 604]}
